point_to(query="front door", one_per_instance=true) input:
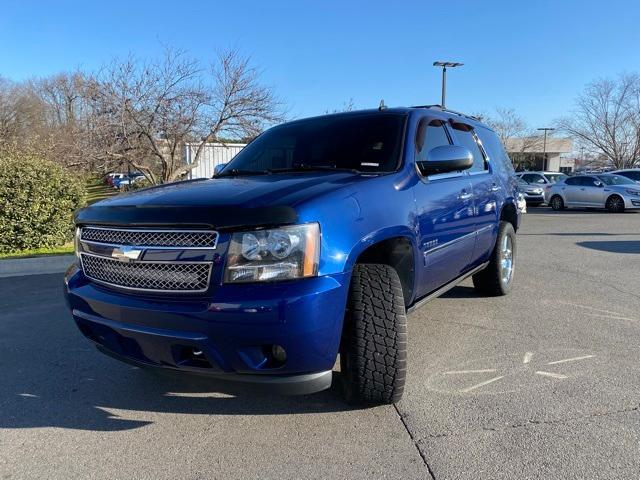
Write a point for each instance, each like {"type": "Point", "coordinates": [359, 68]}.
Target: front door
{"type": "Point", "coordinates": [444, 215]}
{"type": "Point", "coordinates": [485, 193]}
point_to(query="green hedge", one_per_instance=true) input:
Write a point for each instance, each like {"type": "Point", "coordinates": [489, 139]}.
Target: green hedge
{"type": "Point", "coordinates": [37, 201]}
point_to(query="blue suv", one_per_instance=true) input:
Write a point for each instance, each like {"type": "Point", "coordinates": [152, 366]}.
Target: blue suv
{"type": "Point", "coordinates": [314, 241]}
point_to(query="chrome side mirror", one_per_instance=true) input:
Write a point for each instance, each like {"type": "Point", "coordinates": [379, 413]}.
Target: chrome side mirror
{"type": "Point", "coordinates": [445, 159]}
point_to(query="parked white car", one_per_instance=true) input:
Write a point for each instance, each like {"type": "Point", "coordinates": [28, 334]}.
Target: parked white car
{"type": "Point", "coordinates": [631, 173]}
{"type": "Point", "coordinates": [613, 192]}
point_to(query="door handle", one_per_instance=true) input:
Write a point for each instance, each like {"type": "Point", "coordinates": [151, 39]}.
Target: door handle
{"type": "Point", "coordinates": [464, 196]}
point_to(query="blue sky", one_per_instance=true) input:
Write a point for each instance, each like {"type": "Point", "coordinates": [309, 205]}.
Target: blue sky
{"type": "Point", "coordinates": [534, 56]}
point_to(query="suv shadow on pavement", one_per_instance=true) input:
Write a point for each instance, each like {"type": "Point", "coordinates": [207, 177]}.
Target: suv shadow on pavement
{"type": "Point", "coordinates": [48, 381]}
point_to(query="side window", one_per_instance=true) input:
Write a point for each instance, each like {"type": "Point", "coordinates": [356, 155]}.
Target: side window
{"type": "Point", "coordinates": [588, 181]}
{"type": "Point", "coordinates": [573, 181]}
{"type": "Point", "coordinates": [633, 175]}
{"type": "Point", "coordinates": [498, 156]}
{"type": "Point", "coordinates": [466, 138]}
{"type": "Point", "coordinates": [430, 135]}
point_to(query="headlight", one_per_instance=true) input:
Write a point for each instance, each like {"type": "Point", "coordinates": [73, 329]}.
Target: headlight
{"type": "Point", "coordinates": [276, 254]}
{"type": "Point", "coordinates": [633, 192]}
{"type": "Point", "coordinates": [76, 243]}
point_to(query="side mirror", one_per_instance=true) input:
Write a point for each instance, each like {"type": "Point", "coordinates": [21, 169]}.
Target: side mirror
{"type": "Point", "coordinates": [218, 168]}
{"type": "Point", "coordinates": [598, 183]}
{"type": "Point", "coordinates": [445, 159]}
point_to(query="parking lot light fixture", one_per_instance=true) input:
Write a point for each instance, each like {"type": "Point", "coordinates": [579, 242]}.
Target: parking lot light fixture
{"type": "Point", "coordinates": [444, 66]}
{"type": "Point", "coordinates": [544, 147]}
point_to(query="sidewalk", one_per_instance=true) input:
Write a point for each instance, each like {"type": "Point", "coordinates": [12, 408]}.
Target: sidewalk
{"type": "Point", "coordinates": [16, 267]}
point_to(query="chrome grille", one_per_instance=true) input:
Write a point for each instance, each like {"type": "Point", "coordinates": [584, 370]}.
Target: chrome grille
{"type": "Point", "coordinates": [152, 276]}
{"type": "Point", "coordinates": [151, 237]}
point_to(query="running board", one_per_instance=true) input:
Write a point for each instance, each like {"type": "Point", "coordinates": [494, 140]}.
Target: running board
{"type": "Point", "coordinates": [446, 287]}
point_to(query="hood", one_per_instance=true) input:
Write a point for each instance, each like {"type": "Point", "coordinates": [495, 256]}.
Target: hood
{"type": "Point", "coordinates": [227, 202]}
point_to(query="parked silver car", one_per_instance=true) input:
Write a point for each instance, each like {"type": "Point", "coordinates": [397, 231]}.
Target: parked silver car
{"type": "Point", "coordinates": [544, 180]}
{"type": "Point", "coordinates": [533, 194]}
{"type": "Point", "coordinates": [613, 192]}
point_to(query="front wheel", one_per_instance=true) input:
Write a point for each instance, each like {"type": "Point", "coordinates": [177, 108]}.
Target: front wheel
{"type": "Point", "coordinates": [557, 203]}
{"type": "Point", "coordinates": [497, 277]}
{"type": "Point", "coordinates": [373, 353]}
{"type": "Point", "coordinates": [615, 204]}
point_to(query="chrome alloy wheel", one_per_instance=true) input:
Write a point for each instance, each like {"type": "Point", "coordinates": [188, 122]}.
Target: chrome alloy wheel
{"type": "Point", "coordinates": [506, 260]}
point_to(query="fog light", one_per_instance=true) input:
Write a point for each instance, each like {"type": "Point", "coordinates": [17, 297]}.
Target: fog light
{"type": "Point", "coordinates": [279, 353]}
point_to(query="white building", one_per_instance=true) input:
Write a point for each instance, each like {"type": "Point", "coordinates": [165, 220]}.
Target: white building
{"type": "Point", "coordinates": [527, 153]}
{"type": "Point", "coordinates": [212, 154]}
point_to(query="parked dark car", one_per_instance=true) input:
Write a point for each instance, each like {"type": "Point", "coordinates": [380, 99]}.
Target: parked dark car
{"type": "Point", "coordinates": [315, 240]}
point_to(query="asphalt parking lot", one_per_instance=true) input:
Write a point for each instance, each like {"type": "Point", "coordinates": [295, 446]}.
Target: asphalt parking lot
{"type": "Point", "coordinates": [540, 384]}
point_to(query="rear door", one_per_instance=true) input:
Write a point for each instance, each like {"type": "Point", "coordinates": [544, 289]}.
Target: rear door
{"type": "Point", "coordinates": [444, 214]}
{"type": "Point", "coordinates": [571, 191]}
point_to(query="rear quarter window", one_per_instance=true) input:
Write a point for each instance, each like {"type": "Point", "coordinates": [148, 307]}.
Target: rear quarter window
{"type": "Point", "coordinates": [498, 157]}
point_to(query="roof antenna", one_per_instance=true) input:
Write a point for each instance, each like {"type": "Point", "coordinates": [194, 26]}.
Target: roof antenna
{"type": "Point", "coordinates": [382, 105]}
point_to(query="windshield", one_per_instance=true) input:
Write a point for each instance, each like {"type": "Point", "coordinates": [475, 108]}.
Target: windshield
{"type": "Point", "coordinates": [364, 143]}
{"type": "Point", "coordinates": [555, 177]}
{"type": "Point", "coordinates": [616, 180]}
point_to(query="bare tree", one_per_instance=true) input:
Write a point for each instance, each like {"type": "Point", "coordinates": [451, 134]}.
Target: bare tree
{"type": "Point", "coordinates": [515, 135]}
{"type": "Point", "coordinates": [157, 109]}
{"type": "Point", "coordinates": [606, 120]}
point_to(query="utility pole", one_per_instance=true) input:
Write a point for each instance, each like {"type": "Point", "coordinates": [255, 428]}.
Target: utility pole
{"type": "Point", "coordinates": [444, 66]}
{"type": "Point", "coordinates": [544, 147]}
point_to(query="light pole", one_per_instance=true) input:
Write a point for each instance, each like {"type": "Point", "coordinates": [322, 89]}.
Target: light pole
{"type": "Point", "coordinates": [544, 147]}
{"type": "Point", "coordinates": [444, 66]}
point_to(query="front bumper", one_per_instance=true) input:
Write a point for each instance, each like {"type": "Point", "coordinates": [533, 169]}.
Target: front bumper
{"type": "Point", "coordinates": [534, 198]}
{"type": "Point", "coordinates": [226, 335]}
{"type": "Point", "coordinates": [631, 202]}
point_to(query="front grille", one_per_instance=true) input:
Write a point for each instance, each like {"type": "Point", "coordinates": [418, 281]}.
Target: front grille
{"type": "Point", "coordinates": [153, 276]}
{"type": "Point", "coordinates": [151, 237]}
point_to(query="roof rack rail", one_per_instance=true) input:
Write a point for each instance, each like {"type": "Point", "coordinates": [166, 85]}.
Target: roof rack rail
{"type": "Point", "coordinates": [439, 107]}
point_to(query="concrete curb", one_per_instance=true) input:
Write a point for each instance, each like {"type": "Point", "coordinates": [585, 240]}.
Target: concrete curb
{"type": "Point", "coordinates": [15, 267]}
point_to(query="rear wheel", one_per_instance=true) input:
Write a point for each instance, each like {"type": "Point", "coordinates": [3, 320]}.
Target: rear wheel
{"type": "Point", "coordinates": [615, 204]}
{"type": "Point", "coordinates": [496, 278]}
{"type": "Point", "coordinates": [557, 203]}
{"type": "Point", "coordinates": [373, 351]}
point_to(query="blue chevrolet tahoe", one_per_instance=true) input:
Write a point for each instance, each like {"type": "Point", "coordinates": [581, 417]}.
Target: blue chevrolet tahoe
{"type": "Point", "coordinates": [315, 240]}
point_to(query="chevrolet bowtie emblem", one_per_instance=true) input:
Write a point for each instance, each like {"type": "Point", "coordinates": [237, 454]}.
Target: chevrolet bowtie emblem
{"type": "Point", "coordinates": [126, 253]}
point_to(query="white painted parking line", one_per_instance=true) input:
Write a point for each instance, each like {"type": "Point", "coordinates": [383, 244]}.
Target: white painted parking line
{"type": "Point", "coordinates": [574, 359]}
{"type": "Point", "coordinates": [552, 375]}
{"type": "Point", "coordinates": [481, 384]}
{"type": "Point", "coordinates": [527, 357]}
{"type": "Point", "coordinates": [456, 372]}
{"type": "Point", "coordinates": [603, 313]}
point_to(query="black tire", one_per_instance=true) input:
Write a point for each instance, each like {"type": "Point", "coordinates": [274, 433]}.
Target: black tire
{"type": "Point", "coordinates": [556, 203]}
{"type": "Point", "coordinates": [373, 352]}
{"type": "Point", "coordinates": [615, 204]}
{"type": "Point", "coordinates": [491, 281]}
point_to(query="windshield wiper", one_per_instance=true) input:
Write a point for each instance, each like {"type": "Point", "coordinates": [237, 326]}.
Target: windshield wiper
{"type": "Point", "coordinates": [311, 168]}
